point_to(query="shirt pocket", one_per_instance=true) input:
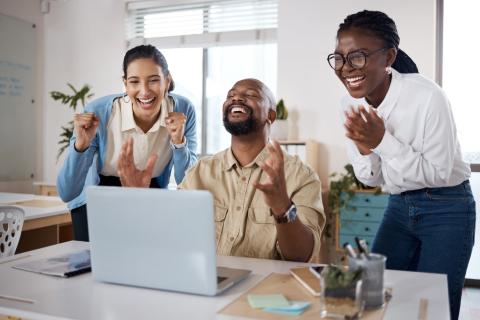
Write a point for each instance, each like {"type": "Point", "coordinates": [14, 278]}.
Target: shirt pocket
{"type": "Point", "coordinates": [220, 215]}
{"type": "Point", "coordinates": [261, 234]}
{"type": "Point", "coordinates": [260, 215]}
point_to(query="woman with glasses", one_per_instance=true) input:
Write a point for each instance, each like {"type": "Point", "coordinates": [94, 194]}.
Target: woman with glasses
{"type": "Point", "coordinates": [402, 136]}
{"type": "Point", "coordinates": [161, 123]}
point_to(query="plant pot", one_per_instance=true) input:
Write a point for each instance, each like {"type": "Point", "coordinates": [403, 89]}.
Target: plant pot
{"type": "Point", "coordinates": [279, 130]}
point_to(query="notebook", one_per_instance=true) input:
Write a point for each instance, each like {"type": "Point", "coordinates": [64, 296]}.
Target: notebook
{"type": "Point", "coordinates": [65, 266]}
{"type": "Point", "coordinates": [156, 238]}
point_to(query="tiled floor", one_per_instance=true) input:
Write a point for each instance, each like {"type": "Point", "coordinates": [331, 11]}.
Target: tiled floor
{"type": "Point", "coordinates": [470, 308]}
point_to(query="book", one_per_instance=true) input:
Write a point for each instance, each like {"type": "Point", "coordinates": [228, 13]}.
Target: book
{"type": "Point", "coordinates": [65, 266]}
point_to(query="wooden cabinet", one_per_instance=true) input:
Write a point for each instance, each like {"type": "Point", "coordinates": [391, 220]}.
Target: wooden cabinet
{"type": "Point", "coordinates": [361, 218]}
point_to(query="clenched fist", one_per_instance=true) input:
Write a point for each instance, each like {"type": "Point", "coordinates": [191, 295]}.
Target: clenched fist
{"type": "Point", "coordinates": [176, 126]}
{"type": "Point", "coordinates": [85, 125]}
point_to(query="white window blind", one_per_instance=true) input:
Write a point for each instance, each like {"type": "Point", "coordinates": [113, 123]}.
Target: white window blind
{"type": "Point", "coordinates": [205, 23]}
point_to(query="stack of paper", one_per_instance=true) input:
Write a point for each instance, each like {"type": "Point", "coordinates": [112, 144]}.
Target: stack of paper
{"type": "Point", "coordinates": [277, 303]}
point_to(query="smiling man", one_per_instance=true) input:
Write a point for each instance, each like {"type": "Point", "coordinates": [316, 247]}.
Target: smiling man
{"type": "Point", "coordinates": [267, 203]}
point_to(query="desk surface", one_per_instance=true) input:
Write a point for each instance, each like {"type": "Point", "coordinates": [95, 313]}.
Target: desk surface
{"type": "Point", "coordinates": [81, 297]}
{"type": "Point", "coordinates": [52, 205]}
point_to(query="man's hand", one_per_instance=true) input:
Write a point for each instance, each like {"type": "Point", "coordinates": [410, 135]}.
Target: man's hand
{"type": "Point", "coordinates": [176, 126]}
{"type": "Point", "coordinates": [85, 125]}
{"type": "Point", "coordinates": [365, 128]}
{"type": "Point", "coordinates": [275, 189]}
{"type": "Point", "coordinates": [129, 175]}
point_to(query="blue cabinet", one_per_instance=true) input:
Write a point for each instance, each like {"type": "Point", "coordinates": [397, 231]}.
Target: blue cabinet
{"type": "Point", "coordinates": [361, 217]}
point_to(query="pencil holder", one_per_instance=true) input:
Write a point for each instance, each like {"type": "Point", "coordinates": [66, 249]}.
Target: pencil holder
{"type": "Point", "coordinates": [372, 275]}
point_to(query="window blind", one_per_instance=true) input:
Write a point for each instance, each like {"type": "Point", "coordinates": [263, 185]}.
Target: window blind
{"type": "Point", "coordinates": [213, 22]}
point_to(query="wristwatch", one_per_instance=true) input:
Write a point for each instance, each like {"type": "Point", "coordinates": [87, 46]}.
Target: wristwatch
{"type": "Point", "coordinates": [289, 216]}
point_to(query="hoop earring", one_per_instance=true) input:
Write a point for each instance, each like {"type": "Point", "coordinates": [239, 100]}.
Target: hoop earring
{"type": "Point", "coordinates": [388, 70]}
{"type": "Point", "coordinates": [125, 99]}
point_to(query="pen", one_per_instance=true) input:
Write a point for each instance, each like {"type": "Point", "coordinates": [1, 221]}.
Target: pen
{"type": "Point", "coordinates": [349, 250]}
{"type": "Point", "coordinates": [2, 296]}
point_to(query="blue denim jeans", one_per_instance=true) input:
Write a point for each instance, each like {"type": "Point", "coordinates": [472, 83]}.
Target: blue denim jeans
{"type": "Point", "coordinates": [430, 230]}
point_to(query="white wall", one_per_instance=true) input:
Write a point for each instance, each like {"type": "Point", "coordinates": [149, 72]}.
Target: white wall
{"type": "Point", "coordinates": [29, 11]}
{"type": "Point", "coordinates": [306, 35]}
{"type": "Point", "coordinates": [84, 44]}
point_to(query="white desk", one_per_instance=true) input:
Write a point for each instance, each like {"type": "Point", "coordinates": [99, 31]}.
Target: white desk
{"type": "Point", "coordinates": [81, 297]}
{"type": "Point", "coordinates": [44, 218]}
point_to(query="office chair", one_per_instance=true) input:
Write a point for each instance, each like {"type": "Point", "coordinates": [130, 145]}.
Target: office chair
{"type": "Point", "coordinates": [11, 223]}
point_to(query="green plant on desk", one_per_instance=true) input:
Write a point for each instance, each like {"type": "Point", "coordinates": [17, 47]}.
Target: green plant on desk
{"type": "Point", "coordinates": [71, 101]}
{"type": "Point", "coordinates": [336, 277]}
{"type": "Point", "coordinates": [340, 293]}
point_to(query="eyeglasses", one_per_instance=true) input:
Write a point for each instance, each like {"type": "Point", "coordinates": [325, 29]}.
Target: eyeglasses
{"type": "Point", "coordinates": [356, 59]}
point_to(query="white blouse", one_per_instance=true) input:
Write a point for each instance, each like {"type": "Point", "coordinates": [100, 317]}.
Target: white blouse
{"type": "Point", "coordinates": [420, 148]}
{"type": "Point", "coordinates": [121, 126]}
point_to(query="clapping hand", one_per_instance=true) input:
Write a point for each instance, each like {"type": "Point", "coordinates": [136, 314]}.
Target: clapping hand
{"type": "Point", "coordinates": [275, 188]}
{"type": "Point", "coordinates": [129, 175]}
{"type": "Point", "coordinates": [365, 128]}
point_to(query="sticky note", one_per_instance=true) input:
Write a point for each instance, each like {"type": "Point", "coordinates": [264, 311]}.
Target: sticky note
{"type": "Point", "coordinates": [294, 309]}
{"type": "Point", "coordinates": [267, 300]}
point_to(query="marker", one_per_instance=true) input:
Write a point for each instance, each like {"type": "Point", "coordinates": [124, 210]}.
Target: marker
{"type": "Point", "coordinates": [349, 250]}
{"type": "Point", "coordinates": [362, 248]}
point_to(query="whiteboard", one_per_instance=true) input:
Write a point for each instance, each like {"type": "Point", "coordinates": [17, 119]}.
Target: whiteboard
{"type": "Point", "coordinates": [18, 131]}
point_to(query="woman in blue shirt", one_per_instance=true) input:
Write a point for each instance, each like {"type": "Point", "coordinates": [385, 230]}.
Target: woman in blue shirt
{"type": "Point", "coordinates": [149, 122]}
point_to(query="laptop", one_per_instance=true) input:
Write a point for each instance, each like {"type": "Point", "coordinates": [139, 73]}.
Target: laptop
{"type": "Point", "coordinates": [156, 238]}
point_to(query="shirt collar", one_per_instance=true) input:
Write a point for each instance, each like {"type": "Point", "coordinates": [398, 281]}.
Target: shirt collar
{"type": "Point", "coordinates": [128, 121]}
{"type": "Point", "coordinates": [389, 102]}
{"type": "Point", "coordinates": [230, 161]}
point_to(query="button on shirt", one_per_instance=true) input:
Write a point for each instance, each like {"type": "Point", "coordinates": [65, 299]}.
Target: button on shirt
{"type": "Point", "coordinates": [420, 148]}
{"type": "Point", "coordinates": [122, 126]}
{"type": "Point", "coordinates": [244, 225]}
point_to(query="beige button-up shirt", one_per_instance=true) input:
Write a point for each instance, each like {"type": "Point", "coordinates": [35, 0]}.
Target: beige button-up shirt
{"type": "Point", "coordinates": [244, 225]}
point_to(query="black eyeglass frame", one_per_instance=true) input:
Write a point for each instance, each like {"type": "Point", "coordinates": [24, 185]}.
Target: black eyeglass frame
{"type": "Point", "coordinates": [347, 59]}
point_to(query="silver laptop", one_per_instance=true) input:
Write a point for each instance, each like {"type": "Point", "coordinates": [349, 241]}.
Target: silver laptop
{"type": "Point", "coordinates": [156, 238]}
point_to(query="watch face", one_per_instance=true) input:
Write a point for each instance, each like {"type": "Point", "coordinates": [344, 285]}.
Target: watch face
{"type": "Point", "coordinates": [292, 214]}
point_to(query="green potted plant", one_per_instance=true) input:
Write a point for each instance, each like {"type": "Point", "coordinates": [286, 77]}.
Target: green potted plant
{"type": "Point", "coordinates": [71, 100]}
{"type": "Point", "coordinates": [279, 128]}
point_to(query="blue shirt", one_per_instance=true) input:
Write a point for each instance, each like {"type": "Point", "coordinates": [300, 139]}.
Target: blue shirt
{"type": "Point", "coordinates": [81, 169]}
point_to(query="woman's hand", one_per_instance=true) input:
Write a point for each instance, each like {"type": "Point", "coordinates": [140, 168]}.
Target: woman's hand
{"type": "Point", "coordinates": [365, 128]}
{"type": "Point", "coordinates": [128, 173]}
{"type": "Point", "coordinates": [85, 126]}
{"type": "Point", "coordinates": [176, 126]}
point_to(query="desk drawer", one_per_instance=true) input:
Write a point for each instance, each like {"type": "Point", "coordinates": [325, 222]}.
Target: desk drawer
{"type": "Point", "coordinates": [362, 214]}
{"type": "Point", "coordinates": [368, 199]}
{"type": "Point", "coordinates": [351, 239]}
{"type": "Point", "coordinates": [358, 228]}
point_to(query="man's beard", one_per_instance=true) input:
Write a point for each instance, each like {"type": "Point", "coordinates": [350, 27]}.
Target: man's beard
{"type": "Point", "coordinates": [238, 128]}
{"type": "Point", "coordinates": [247, 126]}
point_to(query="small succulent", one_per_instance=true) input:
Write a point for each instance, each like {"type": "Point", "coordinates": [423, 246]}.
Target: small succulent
{"type": "Point", "coordinates": [337, 277]}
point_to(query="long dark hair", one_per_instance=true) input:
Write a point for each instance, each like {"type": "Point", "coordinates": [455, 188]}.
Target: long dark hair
{"type": "Point", "coordinates": [150, 52]}
{"type": "Point", "coordinates": [384, 28]}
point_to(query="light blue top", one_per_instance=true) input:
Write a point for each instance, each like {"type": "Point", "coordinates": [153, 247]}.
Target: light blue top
{"type": "Point", "coordinates": [81, 169]}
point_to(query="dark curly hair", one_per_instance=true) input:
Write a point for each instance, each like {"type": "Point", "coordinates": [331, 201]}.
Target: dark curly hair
{"type": "Point", "coordinates": [150, 52]}
{"type": "Point", "coordinates": [382, 27]}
